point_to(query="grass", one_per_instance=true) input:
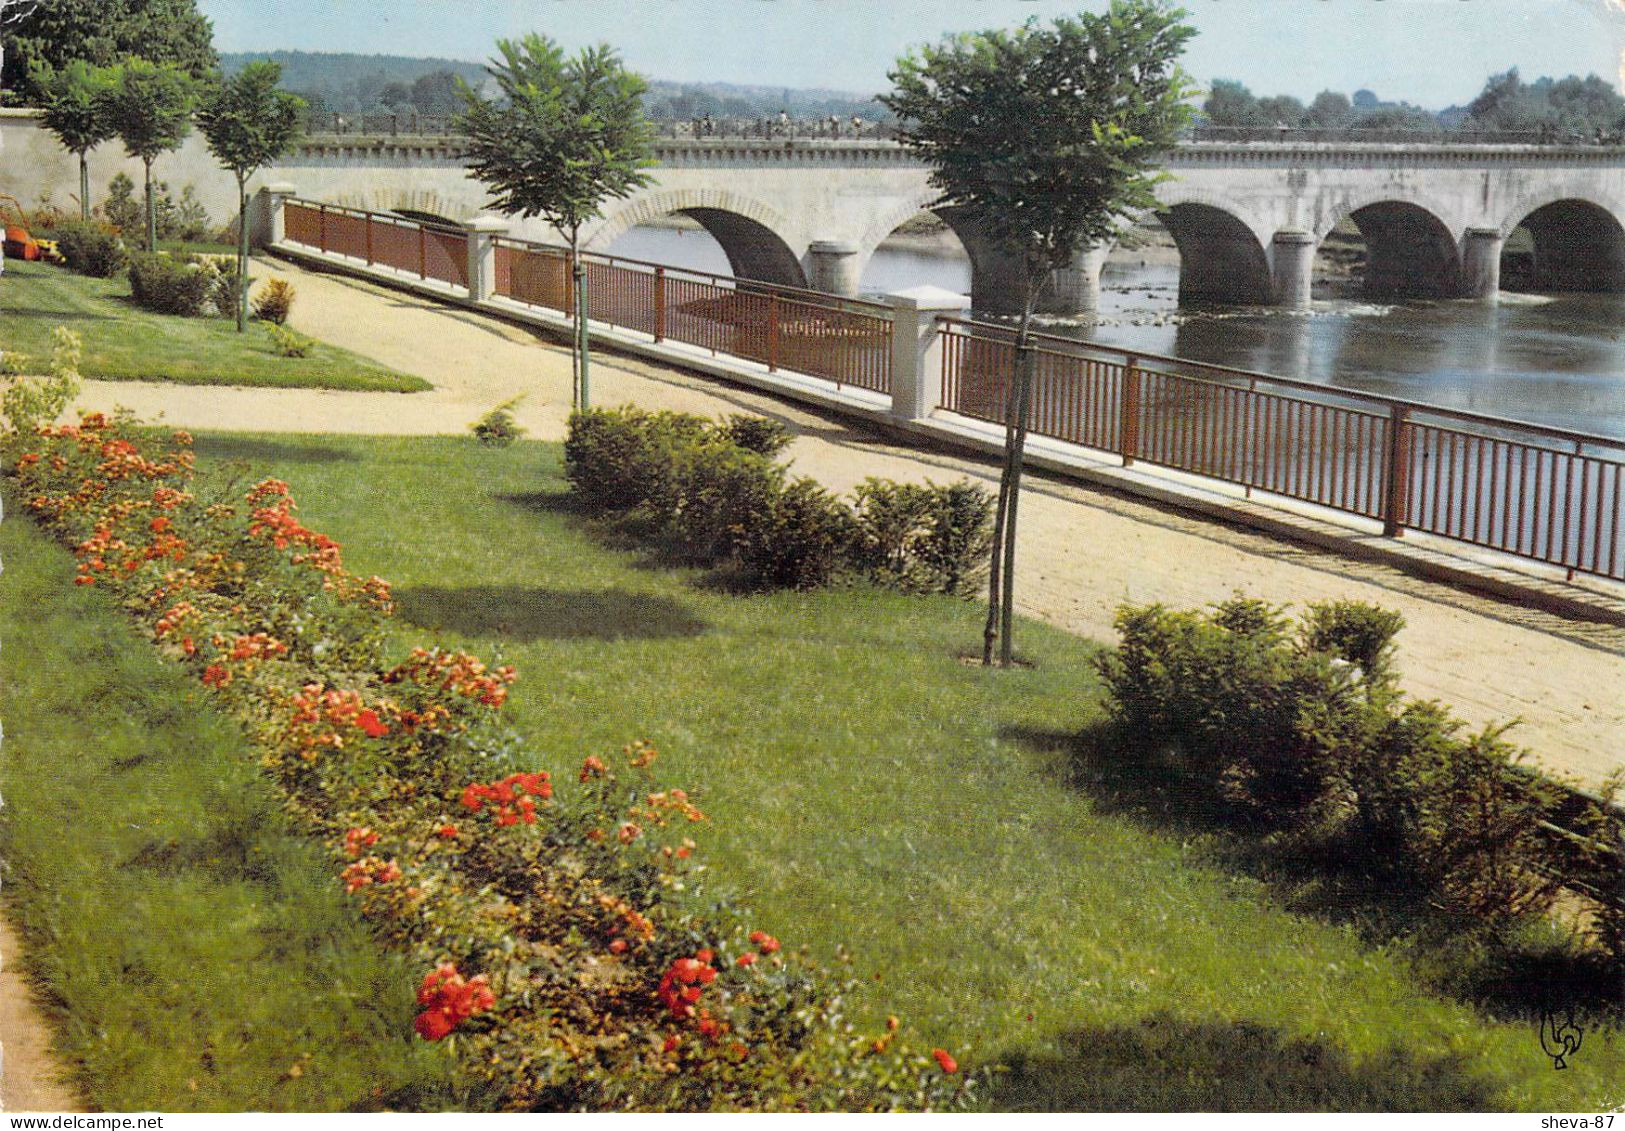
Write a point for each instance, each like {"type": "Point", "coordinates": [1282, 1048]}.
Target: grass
{"type": "Point", "coordinates": [868, 788]}
{"type": "Point", "coordinates": [122, 342]}
{"type": "Point", "coordinates": [195, 951]}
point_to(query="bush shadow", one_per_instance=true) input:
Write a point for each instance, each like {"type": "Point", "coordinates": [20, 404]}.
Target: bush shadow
{"type": "Point", "coordinates": [526, 613]}
{"type": "Point", "coordinates": [1167, 1063]}
{"type": "Point", "coordinates": [258, 451]}
{"type": "Point", "coordinates": [1510, 976]}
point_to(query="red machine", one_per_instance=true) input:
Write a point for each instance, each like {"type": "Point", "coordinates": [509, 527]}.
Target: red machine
{"type": "Point", "coordinates": [19, 244]}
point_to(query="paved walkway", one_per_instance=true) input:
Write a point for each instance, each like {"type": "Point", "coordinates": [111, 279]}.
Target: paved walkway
{"type": "Point", "coordinates": [1084, 552]}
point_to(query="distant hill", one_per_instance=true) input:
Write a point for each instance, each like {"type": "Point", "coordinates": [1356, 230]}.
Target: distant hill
{"type": "Point", "coordinates": [353, 83]}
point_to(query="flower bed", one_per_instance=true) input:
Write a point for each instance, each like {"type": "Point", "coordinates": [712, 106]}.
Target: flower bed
{"type": "Point", "coordinates": [570, 956]}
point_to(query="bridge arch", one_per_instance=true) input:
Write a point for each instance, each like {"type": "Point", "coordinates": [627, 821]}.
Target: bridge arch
{"type": "Point", "coordinates": [1222, 255]}
{"type": "Point", "coordinates": [1411, 251]}
{"type": "Point", "coordinates": [751, 233]}
{"type": "Point", "coordinates": [1579, 244]}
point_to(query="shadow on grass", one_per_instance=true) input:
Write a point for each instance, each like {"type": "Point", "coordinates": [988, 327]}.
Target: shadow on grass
{"type": "Point", "coordinates": [523, 613]}
{"type": "Point", "coordinates": [257, 451]}
{"type": "Point", "coordinates": [1166, 1063]}
{"type": "Point", "coordinates": [60, 314]}
{"type": "Point", "coordinates": [1511, 975]}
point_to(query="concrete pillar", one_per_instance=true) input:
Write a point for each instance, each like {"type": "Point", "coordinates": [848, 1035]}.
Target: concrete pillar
{"type": "Point", "coordinates": [1481, 263]}
{"type": "Point", "coordinates": [1075, 289]}
{"type": "Point", "coordinates": [482, 255]}
{"type": "Point", "coordinates": [916, 358]}
{"type": "Point", "coordinates": [267, 228]}
{"type": "Point", "coordinates": [833, 267]}
{"type": "Point", "coordinates": [1292, 268]}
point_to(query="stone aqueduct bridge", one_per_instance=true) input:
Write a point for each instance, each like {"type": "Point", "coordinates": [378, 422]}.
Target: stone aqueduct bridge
{"type": "Point", "coordinates": [1247, 217]}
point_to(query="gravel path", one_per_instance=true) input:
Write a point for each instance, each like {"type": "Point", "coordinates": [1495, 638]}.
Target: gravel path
{"type": "Point", "coordinates": [1084, 552]}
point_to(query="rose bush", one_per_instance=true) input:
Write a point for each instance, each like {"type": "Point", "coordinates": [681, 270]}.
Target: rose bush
{"type": "Point", "coordinates": [571, 956]}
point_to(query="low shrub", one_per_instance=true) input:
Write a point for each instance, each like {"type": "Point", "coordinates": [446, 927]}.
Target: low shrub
{"type": "Point", "coordinates": [497, 428]}
{"type": "Point", "coordinates": [91, 249]}
{"type": "Point", "coordinates": [563, 932]}
{"type": "Point", "coordinates": [1303, 728]}
{"type": "Point", "coordinates": [759, 434]}
{"type": "Point", "coordinates": [31, 402]}
{"type": "Point", "coordinates": [274, 302]}
{"type": "Point", "coordinates": [714, 495]}
{"type": "Point", "coordinates": [165, 284]}
{"type": "Point", "coordinates": [289, 343]}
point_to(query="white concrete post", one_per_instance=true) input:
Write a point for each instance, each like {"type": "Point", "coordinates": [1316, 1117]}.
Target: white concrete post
{"type": "Point", "coordinates": [268, 227]}
{"type": "Point", "coordinates": [482, 255]}
{"type": "Point", "coordinates": [832, 267]}
{"type": "Point", "coordinates": [916, 349]}
{"type": "Point", "coordinates": [1292, 268]}
{"type": "Point", "coordinates": [1481, 263]}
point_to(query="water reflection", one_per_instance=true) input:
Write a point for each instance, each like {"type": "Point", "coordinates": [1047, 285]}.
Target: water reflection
{"type": "Point", "coordinates": [1551, 360]}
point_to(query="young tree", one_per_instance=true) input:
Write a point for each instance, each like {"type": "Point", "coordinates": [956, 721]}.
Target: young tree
{"type": "Point", "coordinates": [1046, 138]}
{"type": "Point", "coordinates": [563, 136]}
{"type": "Point", "coordinates": [77, 109]}
{"type": "Point", "coordinates": [249, 123]}
{"type": "Point", "coordinates": [151, 111]}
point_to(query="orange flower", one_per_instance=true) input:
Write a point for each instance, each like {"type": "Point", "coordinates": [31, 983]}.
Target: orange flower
{"type": "Point", "coordinates": [945, 1062]}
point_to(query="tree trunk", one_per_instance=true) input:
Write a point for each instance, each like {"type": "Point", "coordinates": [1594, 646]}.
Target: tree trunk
{"type": "Point", "coordinates": [242, 253]}
{"type": "Point", "coordinates": [575, 322]}
{"type": "Point", "coordinates": [990, 633]}
{"type": "Point", "coordinates": [152, 212]}
{"type": "Point", "coordinates": [84, 185]}
{"type": "Point", "coordinates": [1010, 483]}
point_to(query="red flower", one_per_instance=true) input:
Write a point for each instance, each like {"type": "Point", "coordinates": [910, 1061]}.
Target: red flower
{"type": "Point", "coordinates": [765, 942]}
{"type": "Point", "coordinates": [369, 722]}
{"type": "Point", "coordinates": [746, 959]}
{"type": "Point", "coordinates": [945, 1062]}
{"type": "Point", "coordinates": [446, 832]}
{"type": "Point", "coordinates": [671, 1044]}
{"type": "Point", "coordinates": [434, 1025]}
{"type": "Point", "coordinates": [593, 765]}
{"type": "Point", "coordinates": [618, 946]}
{"type": "Point", "coordinates": [215, 676]}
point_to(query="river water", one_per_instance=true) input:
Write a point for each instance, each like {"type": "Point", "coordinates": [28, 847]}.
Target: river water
{"type": "Point", "coordinates": [1555, 360]}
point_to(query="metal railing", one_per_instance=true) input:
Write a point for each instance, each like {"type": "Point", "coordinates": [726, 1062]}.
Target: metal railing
{"type": "Point", "coordinates": [844, 341]}
{"type": "Point", "coordinates": [429, 251]}
{"type": "Point", "coordinates": [1540, 493]}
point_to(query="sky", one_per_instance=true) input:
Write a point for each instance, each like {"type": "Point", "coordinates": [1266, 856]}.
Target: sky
{"type": "Point", "coordinates": [1430, 52]}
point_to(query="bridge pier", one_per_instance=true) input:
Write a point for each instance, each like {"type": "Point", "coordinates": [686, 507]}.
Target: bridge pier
{"type": "Point", "coordinates": [1481, 263]}
{"type": "Point", "coordinates": [998, 285]}
{"type": "Point", "coordinates": [833, 267]}
{"type": "Point", "coordinates": [1292, 268]}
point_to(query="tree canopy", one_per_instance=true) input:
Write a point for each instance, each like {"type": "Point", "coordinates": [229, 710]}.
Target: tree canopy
{"type": "Point", "coordinates": [106, 33]}
{"type": "Point", "coordinates": [564, 135]}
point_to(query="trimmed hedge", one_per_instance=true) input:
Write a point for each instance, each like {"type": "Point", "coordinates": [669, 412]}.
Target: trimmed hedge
{"type": "Point", "coordinates": [190, 286]}
{"type": "Point", "coordinates": [91, 249]}
{"type": "Point", "coordinates": [565, 935]}
{"type": "Point", "coordinates": [714, 495]}
{"type": "Point", "coordinates": [1303, 731]}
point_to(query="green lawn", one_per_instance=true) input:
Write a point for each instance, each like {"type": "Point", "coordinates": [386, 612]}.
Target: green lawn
{"type": "Point", "coordinates": [197, 951]}
{"type": "Point", "coordinates": [124, 342]}
{"type": "Point", "coordinates": [868, 788]}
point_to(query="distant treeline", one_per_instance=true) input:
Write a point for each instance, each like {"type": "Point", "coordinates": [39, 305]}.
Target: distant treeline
{"type": "Point", "coordinates": [1570, 105]}
{"type": "Point", "coordinates": [360, 84]}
